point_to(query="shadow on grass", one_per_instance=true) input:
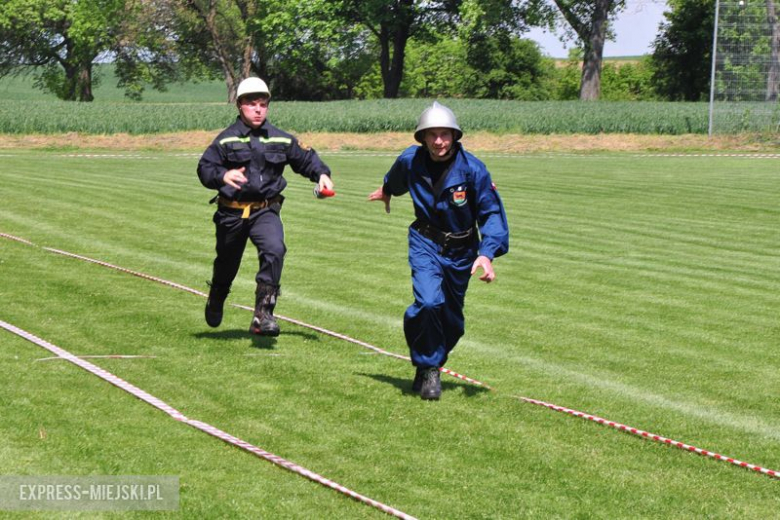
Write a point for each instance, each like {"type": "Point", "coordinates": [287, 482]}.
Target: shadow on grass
{"type": "Point", "coordinates": [405, 384]}
{"type": "Point", "coordinates": [264, 342]}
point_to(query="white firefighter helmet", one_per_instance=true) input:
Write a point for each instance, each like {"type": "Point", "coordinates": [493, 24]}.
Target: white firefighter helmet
{"type": "Point", "coordinates": [437, 116]}
{"type": "Point", "coordinates": [252, 86]}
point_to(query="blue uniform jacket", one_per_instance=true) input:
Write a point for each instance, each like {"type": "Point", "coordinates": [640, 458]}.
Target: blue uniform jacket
{"type": "Point", "coordinates": [264, 152]}
{"type": "Point", "coordinates": [467, 197]}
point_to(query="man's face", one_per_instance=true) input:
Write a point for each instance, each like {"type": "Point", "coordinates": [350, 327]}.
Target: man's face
{"type": "Point", "coordinates": [439, 142]}
{"type": "Point", "coordinates": [253, 109]}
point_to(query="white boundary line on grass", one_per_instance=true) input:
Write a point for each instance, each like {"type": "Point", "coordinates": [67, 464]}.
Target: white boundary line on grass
{"type": "Point", "coordinates": [204, 427]}
{"type": "Point", "coordinates": [622, 427]}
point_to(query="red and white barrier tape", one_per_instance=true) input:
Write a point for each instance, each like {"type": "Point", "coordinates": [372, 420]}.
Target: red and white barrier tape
{"type": "Point", "coordinates": [575, 413]}
{"type": "Point", "coordinates": [17, 239]}
{"type": "Point", "coordinates": [283, 318]}
{"type": "Point", "coordinates": [369, 346]}
{"type": "Point", "coordinates": [128, 271]}
{"type": "Point", "coordinates": [105, 356]}
{"type": "Point", "coordinates": [96, 370]}
{"type": "Point", "coordinates": [652, 436]}
{"type": "Point", "coordinates": [295, 468]}
{"type": "Point", "coordinates": [207, 428]}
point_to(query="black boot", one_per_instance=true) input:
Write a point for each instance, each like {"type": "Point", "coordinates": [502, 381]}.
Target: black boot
{"type": "Point", "coordinates": [264, 322]}
{"type": "Point", "coordinates": [215, 304]}
{"type": "Point", "coordinates": [418, 379]}
{"type": "Point", "coordinates": [431, 384]}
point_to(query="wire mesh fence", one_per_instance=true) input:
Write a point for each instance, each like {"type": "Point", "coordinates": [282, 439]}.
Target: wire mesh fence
{"type": "Point", "coordinates": [745, 93]}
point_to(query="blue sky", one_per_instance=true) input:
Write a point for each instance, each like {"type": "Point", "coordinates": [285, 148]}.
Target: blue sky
{"type": "Point", "coordinates": [636, 27]}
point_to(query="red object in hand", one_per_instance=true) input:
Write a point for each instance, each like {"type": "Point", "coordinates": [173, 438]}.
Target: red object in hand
{"type": "Point", "coordinates": [324, 192]}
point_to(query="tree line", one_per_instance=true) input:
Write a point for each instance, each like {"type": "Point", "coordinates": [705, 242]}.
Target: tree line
{"type": "Point", "coordinates": [354, 49]}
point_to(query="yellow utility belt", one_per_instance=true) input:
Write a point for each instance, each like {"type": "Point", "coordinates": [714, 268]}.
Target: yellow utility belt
{"type": "Point", "coordinates": [248, 207]}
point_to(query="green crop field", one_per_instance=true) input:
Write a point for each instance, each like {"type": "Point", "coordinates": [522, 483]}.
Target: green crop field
{"type": "Point", "coordinates": [540, 117]}
{"type": "Point", "coordinates": [639, 288]}
{"type": "Point", "coordinates": [202, 106]}
{"type": "Point", "coordinates": [22, 88]}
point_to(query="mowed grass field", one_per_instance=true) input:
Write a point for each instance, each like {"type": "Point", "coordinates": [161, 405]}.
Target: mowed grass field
{"type": "Point", "coordinates": [642, 289]}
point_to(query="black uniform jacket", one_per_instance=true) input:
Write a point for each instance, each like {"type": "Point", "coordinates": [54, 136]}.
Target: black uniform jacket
{"type": "Point", "coordinates": [264, 152]}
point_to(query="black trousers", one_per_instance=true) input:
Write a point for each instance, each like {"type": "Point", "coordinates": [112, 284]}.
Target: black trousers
{"type": "Point", "coordinates": [264, 228]}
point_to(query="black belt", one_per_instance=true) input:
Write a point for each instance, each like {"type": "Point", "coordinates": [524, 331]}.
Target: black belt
{"type": "Point", "coordinates": [445, 239]}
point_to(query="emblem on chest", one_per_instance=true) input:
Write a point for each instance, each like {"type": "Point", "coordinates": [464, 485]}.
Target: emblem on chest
{"type": "Point", "coordinates": [458, 196]}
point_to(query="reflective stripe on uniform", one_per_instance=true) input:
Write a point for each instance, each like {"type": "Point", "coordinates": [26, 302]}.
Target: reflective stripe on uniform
{"type": "Point", "coordinates": [284, 140]}
{"type": "Point", "coordinates": [234, 140]}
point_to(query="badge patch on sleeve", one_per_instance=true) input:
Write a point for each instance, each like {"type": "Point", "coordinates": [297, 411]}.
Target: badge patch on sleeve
{"type": "Point", "coordinates": [459, 196]}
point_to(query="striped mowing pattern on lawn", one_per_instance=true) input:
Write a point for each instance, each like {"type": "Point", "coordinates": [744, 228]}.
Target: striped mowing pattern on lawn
{"type": "Point", "coordinates": [321, 330]}
{"type": "Point", "coordinates": [639, 289]}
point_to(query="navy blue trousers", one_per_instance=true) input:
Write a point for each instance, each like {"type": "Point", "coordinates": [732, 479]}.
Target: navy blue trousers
{"type": "Point", "coordinates": [264, 228]}
{"type": "Point", "coordinates": [434, 323]}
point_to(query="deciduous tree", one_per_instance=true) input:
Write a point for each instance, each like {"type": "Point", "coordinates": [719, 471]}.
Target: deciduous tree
{"type": "Point", "coordinates": [219, 35]}
{"type": "Point", "coordinates": [682, 55]}
{"type": "Point", "coordinates": [61, 38]}
{"type": "Point", "coordinates": [588, 23]}
{"type": "Point", "coordinates": [394, 22]}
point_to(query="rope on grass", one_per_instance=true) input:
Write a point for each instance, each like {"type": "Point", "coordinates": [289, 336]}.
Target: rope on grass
{"type": "Point", "coordinates": [635, 431]}
{"type": "Point", "coordinates": [11, 237]}
{"type": "Point", "coordinates": [369, 346]}
{"type": "Point", "coordinates": [316, 328]}
{"type": "Point", "coordinates": [652, 436]}
{"type": "Point", "coordinates": [96, 370]}
{"type": "Point", "coordinates": [128, 271]}
{"type": "Point", "coordinates": [101, 356]}
{"type": "Point", "coordinates": [205, 427]}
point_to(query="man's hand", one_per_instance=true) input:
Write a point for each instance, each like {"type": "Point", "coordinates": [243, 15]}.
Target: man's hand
{"type": "Point", "coordinates": [235, 178]}
{"type": "Point", "coordinates": [380, 195]}
{"type": "Point", "coordinates": [484, 263]}
{"type": "Point", "coordinates": [325, 183]}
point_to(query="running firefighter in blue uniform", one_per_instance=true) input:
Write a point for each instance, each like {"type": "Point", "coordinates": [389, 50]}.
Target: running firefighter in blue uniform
{"type": "Point", "coordinates": [460, 228]}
